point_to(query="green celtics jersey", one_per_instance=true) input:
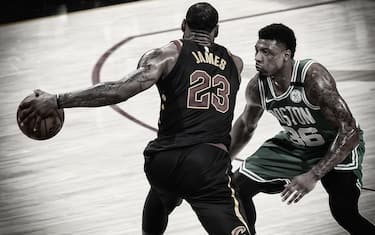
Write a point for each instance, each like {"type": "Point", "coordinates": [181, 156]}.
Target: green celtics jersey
{"type": "Point", "coordinates": [305, 140]}
{"type": "Point", "coordinates": [303, 122]}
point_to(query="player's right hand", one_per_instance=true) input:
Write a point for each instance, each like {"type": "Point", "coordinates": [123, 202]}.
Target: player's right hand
{"type": "Point", "coordinates": [299, 187]}
{"type": "Point", "coordinates": [39, 107]}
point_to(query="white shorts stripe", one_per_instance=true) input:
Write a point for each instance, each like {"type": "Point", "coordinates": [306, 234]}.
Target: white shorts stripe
{"type": "Point", "coordinates": [257, 178]}
{"type": "Point", "coordinates": [352, 165]}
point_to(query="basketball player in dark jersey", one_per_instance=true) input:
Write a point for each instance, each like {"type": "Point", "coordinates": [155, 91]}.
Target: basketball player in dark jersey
{"type": "Point", "coordinates": [320, 141]}
{"type": "Point", "coordinates": [198, 81]}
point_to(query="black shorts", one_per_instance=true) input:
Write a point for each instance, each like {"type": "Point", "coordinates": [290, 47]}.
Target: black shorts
{"type": "Point", "coordinates": [200, 174]}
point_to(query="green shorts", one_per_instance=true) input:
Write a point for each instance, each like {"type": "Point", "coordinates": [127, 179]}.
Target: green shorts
{"type": "Point", "coordinates": [279, 159]}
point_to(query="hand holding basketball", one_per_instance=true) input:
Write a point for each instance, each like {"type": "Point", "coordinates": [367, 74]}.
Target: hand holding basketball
{"type": "Point", "coordinates": [38, 116]}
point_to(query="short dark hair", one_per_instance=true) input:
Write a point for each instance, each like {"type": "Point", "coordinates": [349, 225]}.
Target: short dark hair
{"type": "Point", "coordinates": [281, 33]}
{"type": "Point", "coordinates": [202, 16]}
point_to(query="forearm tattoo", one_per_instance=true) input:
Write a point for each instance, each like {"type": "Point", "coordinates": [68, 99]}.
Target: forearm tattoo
{"type": "Point", "coordinates": [336, 111]}
{"type": "Point", "coordinates": [99, 95]}
{"type": "Point", "coordinates": [108, 93]}
{"type": "Point", "coordinates": [340, 148]}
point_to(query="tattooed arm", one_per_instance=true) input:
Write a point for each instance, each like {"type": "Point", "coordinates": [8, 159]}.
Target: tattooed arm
{"type": "Point", "coordinates": [153, 65]}
{"type": "Point", "coordinates": [321, 90]}
{"type": "Point", "coordinates": [246, 123]}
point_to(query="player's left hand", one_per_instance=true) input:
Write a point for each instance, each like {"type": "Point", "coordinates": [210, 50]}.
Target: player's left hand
{"type": "Point", "coordinates": [298, 187]}
{"type": "Point", "coordinates": [41, 105]}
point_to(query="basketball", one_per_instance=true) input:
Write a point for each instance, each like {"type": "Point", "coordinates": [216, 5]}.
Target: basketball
{"type": "Point", "coordinates": [48, 126]}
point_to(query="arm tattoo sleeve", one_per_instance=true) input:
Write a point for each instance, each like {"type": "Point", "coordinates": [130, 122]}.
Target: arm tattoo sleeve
{"type": "Point", "coordinates": [108, 93]}
{"type": "Point", "coordinates": [336, 111]}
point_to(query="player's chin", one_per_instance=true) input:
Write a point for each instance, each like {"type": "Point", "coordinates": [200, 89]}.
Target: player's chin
{"type": "Point", "coordinates": [260, 70]}
{"type": "Point", "coordinates": [258, 67]}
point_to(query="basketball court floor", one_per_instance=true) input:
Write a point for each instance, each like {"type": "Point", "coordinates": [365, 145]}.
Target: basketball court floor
{"type": "Point", "coordinates": [89, 178]}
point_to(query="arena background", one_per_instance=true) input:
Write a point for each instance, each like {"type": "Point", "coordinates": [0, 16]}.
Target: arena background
{"type": "Point", "coordinates": [89, 178]}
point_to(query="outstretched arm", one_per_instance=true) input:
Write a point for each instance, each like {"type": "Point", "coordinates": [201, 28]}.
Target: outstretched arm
{"type": "Point", "coordinates": [152, 66]}
{"type": "Point", "coordinates": [321, 91]}
{"type": "Point", "coordinates": [245, 125]}
{"type": "Point", "coordinates": [150, 69]}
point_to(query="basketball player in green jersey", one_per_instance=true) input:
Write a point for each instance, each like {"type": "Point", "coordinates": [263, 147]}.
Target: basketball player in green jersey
{"type": "Point", "coordinates": [320, 140]}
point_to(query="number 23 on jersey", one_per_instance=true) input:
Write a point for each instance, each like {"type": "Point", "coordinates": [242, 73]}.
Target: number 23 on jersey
{"type": "Point", "coordinates": [201, 96]}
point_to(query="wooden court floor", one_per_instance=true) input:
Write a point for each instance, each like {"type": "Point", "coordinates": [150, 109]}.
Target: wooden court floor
{"type": "Point", "coordinates": [89, 178]}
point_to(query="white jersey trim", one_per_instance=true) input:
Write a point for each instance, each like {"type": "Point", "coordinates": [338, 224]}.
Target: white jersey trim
{"type": "Point", "coordinates": [257, 178]}
{"type": "Point", "coordinates": [351, 165]}
{"type": "Point", "coordinates": [359, 185]}
{"type": "Point", "coordinates": [262, 93]}
{"type": "Point", "coordinates": [290, 88]}
{"type": "Point", "coordinates": [305, 68]}
{"type": "Point", "coordinates": [303, 77]}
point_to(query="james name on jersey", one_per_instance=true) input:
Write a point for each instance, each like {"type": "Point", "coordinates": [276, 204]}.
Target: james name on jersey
{"type": "Point", "coordinates": [209, 58]}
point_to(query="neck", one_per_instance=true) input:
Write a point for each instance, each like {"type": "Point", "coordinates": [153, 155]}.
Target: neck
{"type": "Point", "coordinates": [201, 37]}
{"type": "Point", "coordinates": [283, 78]}
{"type": "Point", "coordinates": [284, 75]}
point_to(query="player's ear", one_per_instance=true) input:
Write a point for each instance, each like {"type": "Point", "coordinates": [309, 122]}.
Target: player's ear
{"type": "Point", "coordinates": [216, 30]}
{"type": "Point", "coordinates": [288, 54]}
{"type": "Point", "coordinates": [183, 25]}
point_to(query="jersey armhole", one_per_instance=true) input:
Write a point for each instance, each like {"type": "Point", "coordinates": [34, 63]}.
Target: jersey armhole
{"type": "Point", "coordinates": [262, 95]}
{"type": "Point", "coordinates": [179, 45]}
{"type": "Point", "coordinates": [231, 55]}
{"type": "Point", "coordinates": [303, 77]}
{"type": "Point", "coordinates": [305, 68]}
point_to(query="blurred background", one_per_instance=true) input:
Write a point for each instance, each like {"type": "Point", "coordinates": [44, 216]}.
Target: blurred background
{"type": "Point", "coordinates": [17, 10]}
